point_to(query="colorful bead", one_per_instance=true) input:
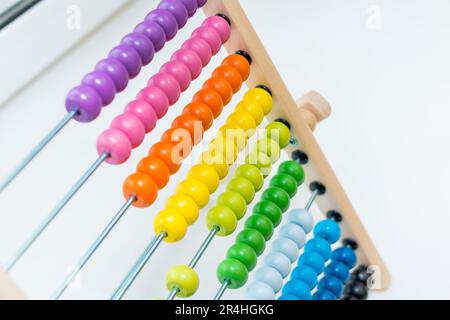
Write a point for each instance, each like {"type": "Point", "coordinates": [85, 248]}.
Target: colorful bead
{"type": "Point", "coordinates": [211, 36]}
{"type": "Point", "coordinates": [298, 289]}
{"type": "Point", "coordinates": [320, 246]}
{"type": "Point", "coordinates": [184, 279]}
{"type": "Point", "coordinates": [253, 108]}
{"type": "Point", "coordinates": [224, 150]}
{"type": "Point", "coordinates": [185, 205]}
{"type": "Point", "coordinates": [221, 86]}
{"type": "Point", "coordinates": [287, 247]}
{"type": "Point", "coordinates": [177, 9]}
{"type": "Point", "coordinates": [116, 144]}
{"type": "Point", "coordinates": [167, 83]}
{"type": "Point", "coordinates": [231, 75]}
{"type": "Point", "coordinates": [196, 190]}
{"type": "Point", "coordinates": [202, 112]}
{"type": "Point", "coordinates": [131, 126]}
{"type": "Point", "coordinates": [172, 223]}
{"type": "Point", "coordinates": [223, 218]}
{"type": "Point", "coordinates": [181, 140]}
{"type": "Point", "coordinates": [270, 210]}
{"type": "Point", "coordinates": [129, 57]}
{"type": "Point", "coordinates": [324, 295]}
{"type": "Point", "coordinates": [156, 98]}
{"type": "Point", "coordinates": [142, 44]}
{"type": "Point", "coordinates": [191, 6]}
{"type": "Point", "coordinates": [192, 124]}
{"type": "Point", "coordinates": [191, 59]}
{"type": "Point", "coordinates": [201, 47]}
{"type": "Point", "coordinates": [233, 271]}
{"type": "Point", "coordinates": [332, 284]}
{"type": "Point", "coordinates": [258, 290]}
{"type": "Point", "coordinates": [295, 233]}
{"type": "Point", "coordinates": [155, 168]}
{"type": "Point", "coordinates": [166, 20]}
{"type": "Point", "coordinates": [243, 187]}
{"type": "Point", "coordinates": [211, 98]}
{"type": "Point", "coordinates": [339, 270]}
{"type": "Point", "coordinates": [164, 151]}
{"type": "Point", "coordinates": [234, 133]}
{"type": "Point", "coordinates": [285, 182]}
{"type": "Point", "coordinates": [220, 25]}
{"type": "Point", "coordinates": [279, 262]}
{"type": "Point", "coordinates": [243, 253]}
{"type": "Point", "coordinates": [306, 274]}
{"type": "Point", "coordinates": [154, 32]}
{"type": "Point", "coordinates": [261, 160]}
{"type": "Point", "coordinates": [239, 63]}
{"type": "Point", "coordinates": [179, 71]}
{"type": "Point", "coordinates": [244, 120]}
{"type": "Point", "coordinates": [221, 168]}
{"type": "Point", "coordinates": [271, 277]}
{"type": "Point", "coordinates": [279, 132]}
{"type": "Point", "coordinates": [262, 96]}
{"type": "Point", "coordinates": [142, 187]}
{"type": "Point", "coordinates": [252, 174]}
{"type": "Point", "coordinates": [260, 223]}
{"type": "Point", "coordinates": [312, 259]}
{"type": "Point", "coordinates": [253, 238]}
{"type": "Point", "coordinates": [277, 196]}
{"type": "Point", "coordinates": [102, 84]}
{"type": "Point", "coordinates": [116, 71]}
{"type": "Point", "coordinates": [302, 218]}
{"type": "Point", "coordinates": [206, 174]}
{"type": "Point", "coordinates": [86, 101]}
{"type": "Point", "coordinates": [234, 201]}
{"type": "Point", "coordinates": [144, 112]}
{"type": "Point", "coordinates": [345, 255]}
{"type": "Point", "coordinates": [269, 147]}
{"type": "Point", "coordinates": [328, 229]}
{"type": "Point", "coordinates": [293, 169]}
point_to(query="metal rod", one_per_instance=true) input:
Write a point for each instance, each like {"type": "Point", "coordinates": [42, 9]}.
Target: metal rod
{"type": "Point", "coordinates": [35, 151]}
{"type": "Point", "coordinates": [203, 247]}
{"type": "Point", "coordinates": [311, 200]}
{"type": "Point", "coordinates": [94, 247]}
{"type": "Point", "coordinates": [173, 294]}
{"type": "Point", "coordinates": [138, 266]}
{"type": "Point", "coordinates": [222, 289]}
{"type": "Point", "coordinates": [44, 224]}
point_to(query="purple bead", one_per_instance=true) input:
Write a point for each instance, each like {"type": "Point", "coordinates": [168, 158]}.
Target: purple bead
{"type": "Point", "coordinates": [166, 20]}
{"type": "Point", "coordinates": [141, 44]}
{"type": "Point", "coordinates": [201, 3]}
{"type": "Point", "coordinates": [116, 71]}
{"type": "Point", "coordinates": [154, 32]}
{"type": "Point", "coordinates": [129, 57]}
{"type": "Point", "coordinates": [178, 10]}
{"type": "Point", "coordinates": [103, 84]}
{"type": "Point", "coordinates": [86, 100]}
{"type": "Point", "coordinates": [191, 6]}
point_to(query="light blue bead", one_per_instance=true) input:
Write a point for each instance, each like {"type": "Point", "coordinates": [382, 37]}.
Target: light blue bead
{"type": "Point", "coordinates": [329, 230]}
{"type": "Point", "coordinates": [295, 233]}
{"type": "Point", "coordinates": [302, 218]}
{"type": "Point", "coordinates": [312, 259]}
{"type": "Point", "coordinates": [259, 291]}
{"type": "Point", "coordinates": [324, 295]}
{"type": "Point", "coordinates": [270, 276]}
{"type": "Point", "coordinates": [306, 274]}
{"type": "Point", "coordinates": [332, 284]}
{"type": "Point", "coordinates": [320, 246]}
{"type": "Point", "coordinates": [337, 269]}
{"type": "Point", "coordinates": [345, 255]}
{"type": "Point", "coordinates": [278, 261]}
{"type": "Point", "coordinates": [287, 297]}
{"type": "Point", "coordinates": [287, 247]}
{"type": "Point", "coordinates": [298, 289]}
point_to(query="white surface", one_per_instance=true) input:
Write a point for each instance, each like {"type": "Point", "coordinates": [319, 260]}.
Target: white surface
{"type": "Point", "coordinates": [386, 139]}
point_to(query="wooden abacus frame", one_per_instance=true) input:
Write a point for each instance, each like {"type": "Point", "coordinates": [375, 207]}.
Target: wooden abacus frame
{"type": "Point", "coordinates": [303, 117]}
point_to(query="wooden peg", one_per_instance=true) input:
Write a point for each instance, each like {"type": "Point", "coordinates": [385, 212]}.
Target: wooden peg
{"type": "Point", "coordinates": [314, 108]}
{"type": "Point", "coordinates": [8, 289]}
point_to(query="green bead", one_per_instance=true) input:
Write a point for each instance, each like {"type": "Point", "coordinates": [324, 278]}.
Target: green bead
{"type": "Point", "coordinates": [261, 160]}
{"type": "Point", "coordinates": [252, 174]}
{"type": "Point", "coordinates": [243, 187]}
{"type": "Point", "coordinates": [183, 278]}
{"type": "Point", "coordinates": [234, 201]}
{"type": "Point", "coordinates": [293, 169]}
{"type": "Point", "coordinates": [285, 182]}
{"type": "Point", "coordinates": [279, 132]}
{"type": "Point", "coordinates": [243, 253]}
{"type": "Point", "coordinates": [277, 196]}
{"type": "Point", "coordinates": [223, 218]}
{"type": "Point", "coordinates": [270, 210]}
{"type": "Point", "coordinates": [253, 238]}
{"type": "Point", "coordinates": [269, 147]}
{"type": "Point", "coordinates": [260, 223]}
{"type": "Point", "coordinates": [233, 271]}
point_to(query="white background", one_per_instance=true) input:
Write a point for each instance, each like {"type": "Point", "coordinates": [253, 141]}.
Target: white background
{"type": "Point", "coordinates": [384, 67]}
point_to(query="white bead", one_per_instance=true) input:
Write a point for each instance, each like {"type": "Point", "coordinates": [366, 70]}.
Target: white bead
{"type": "Point", "coordinates": [302, 218]}
{"type": "Point", "coordinates": [259, 291]}
{"type": "Point", "coordinates": [271, 277]}
{"type": "Point", "coordinates": [287, 247]}
{"type": "Point", "coordinates": [278, 261]}
{"type": "Point", "coordinates": [295, 233]}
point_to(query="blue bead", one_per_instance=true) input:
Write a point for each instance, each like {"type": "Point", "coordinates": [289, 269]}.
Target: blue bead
{"type": "Point", "coordinates": [259, 291]}
{"type": "Point", "coordinates": [313, 260]}
{"type": "Point", "coordinates": [302, 218]}
{"type": "Point", "coordinates": [332, 284]}
{"type": "Point", "coordinates": [278, 261]}
{"type": "Point", "coordinates": [295, 233]}
{"type": "Point", "coordinates": [298, 289]}
{"type": "Point", "coordinates": [306, 274]}
{"type": "Point", "coordinates": [345, 255]}
{"type": "Point", "coordinates": [338, 269]}
{"type": "Point", "coordinates": [287, 297]}
{"type": "Point", "coordinates": [328, 229]}
{"type": "Point", "coordinates": [320, 246]}
{"type": "Point", "coordinates": [271, 277]}
{"type": "Point", "coordinates": [324, 295]}
{"type": "Point", "coordinates": [287, 247]}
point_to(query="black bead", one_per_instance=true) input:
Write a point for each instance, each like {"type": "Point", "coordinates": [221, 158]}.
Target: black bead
{"type": "Point", "coordinates": [284, 121]}
{"type": "Point", "coordinates": [356, 289]}
{"type": "Point", "coordinates": [350, 243]}
{"type": "Point", "coordinates": [245, 55]}
{"type": "Point", "coordinates": [335, 216]}
{"type": "Point", "coordinates": [361, 274]}
{"type": "Point", "coordinates": [300, 157]}
{"type": "Point", "coordinates": [266, 88]}
{"type": "Point", "coordinates": [349, 297]}
{"type": "Point", "coordinates": [223, 16]}
{"type": "Point", "coordinates": [316, 185]}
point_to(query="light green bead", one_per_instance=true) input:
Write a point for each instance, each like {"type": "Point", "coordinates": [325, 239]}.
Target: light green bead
{"type": "Point", "coordinates": [252, 174]}
{"type": "Point", "coordinates": [242, 186]}
{"type": "Point", "coordinates": [234, 201]}
{"type": "Point", "coordinates": [269, 147]}
{"type": "Point", "coordinates": [279, 132]}
{"type": "Point", "coordinates": [223, 218]}
{"type": "Point", "coordinates": [184, 279]}
{"type": "Point", "coordinates": [261, 160]}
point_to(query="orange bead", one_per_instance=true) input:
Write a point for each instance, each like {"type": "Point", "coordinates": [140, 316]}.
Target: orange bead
{"type": "Point", "coordinates": [181, 139]}
{"type": "Point", "coordinates": [221, 86]}
{"type": "Point", "coordinates": [202, 112]}
{"type": "Point", "coordinates": [141, 186]}
{"type": "Point", "coordinates": [230, 74]}
{"type": "Point", "coordinates": [168, 153]}
{"type": "Point", "coordinates": [239, 63]}
{"type": "Point", "coordinates": [212, 99]}
{"type": "Point", "coordinates": [190, 123]}
{"type": "Point", "coordinates": [155, 168]}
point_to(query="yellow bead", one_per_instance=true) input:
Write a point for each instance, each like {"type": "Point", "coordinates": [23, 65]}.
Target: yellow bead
{"type": "Point", "coordinates": [223, 218]}
{"type": "Point", "coordinates": [222, 169]}
{"type": "Point", "coordinates": [183, 278]}
{"type": "Point", "coordinates": [244, 120]}
{"type": "Point", "coordinates": [224, 149]}
{"type": "Point", "coordinates": [252, 107]}
{"type": "Point", "coordinates": [185, 205]}
{"type": "Point", "coordinates": [269, 147]}
{"type": "Point", "coordinates": [262, 96]}
{"type": "Point", "coordinates": [196, 190]}
{"type": "Point", "coordinates": [261, 160]}
{"type": "Point", "coordinates": [172, 223]}
{"type": "Point", "coordinates": [235, 133]}
{"type": "Point", "coordinates": [205, 174]}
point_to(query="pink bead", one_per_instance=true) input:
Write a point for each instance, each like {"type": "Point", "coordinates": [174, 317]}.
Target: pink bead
{"type": "Point", "coordinates": [211, 36]}
{"type": "Point", "coordinates": [201, 47]}
{"type": "Point", "coordinates": [180, 71]}
{"type": "Point", "coordinates": [131, 126]}
{"type": "Point", "coordinates": [116, 143]}
{"type": "Point", "coordinates": [144, 112]}
{"type": "Point", "coordinates": [167, 83]}
{"type": "Point", "coordinates": [190, 59]}
{"type": "Point", "coordinates": [220, 25]}
{"type": "Point", "coordinates": [155, 97]}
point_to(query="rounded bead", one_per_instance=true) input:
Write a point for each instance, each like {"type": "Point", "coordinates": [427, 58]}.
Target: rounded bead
{"type": "Point", "coordinates": [356, 289]}
{"type": "Point", "coordinates": [277, 196]}
{"type": "Point", "coordinates": [231, 75]}
{"type": "Point", "coordinates": [185, 205]}
{"type": "Point", "coordinates": [221, 168]}
{"type": "Point", "coordinates": [190, 123]}
{"type": "Point", "coordinates": [116, 143]}
{"type": "Point", "coordinates": [220, 25]}
{"type": "Point", "coordinates": [144, 112]}
{"type": "Point", "coordinates": [223, 218]}
{"type": "Point", "coordinates": [279, 132]}
{"type": "Point", "coordinates": [259, 290]}
{"type": "Point", "coordinates": [116, 71]}
{"type": "Point", "coordinates": [361, 274]}
{"type": "Point", "coordinates": [156, 98]}
{"type": "Point", "coordinates": [191, 6]}
{"type": "Point", "coordinates": [345, 255]}
{"type": "Point", "coordinates": [166, 20]}
{"type": "Point", "coordinates": [243, 253]}
{"type": "Point", "coordinates": [312, 259]}
{"type": "Point", "coordinates": [252, 238]}
{"type": "Point", "coordinates": [298, 289]}
{"type": "Point", "coordinates": [177, 9]}
{"type": "Point", "coordinates": [131, 126]}
{"type": "Point", "coordinates": [287, 247]}
{"type": "Point", "coordinates": [211, 98]}
{"type": "Point", "coordinates": [252, 174]}
{"type": "Point", "coordinates": [201, 47]}
{"type": "Point", "coordinates": [154, 32]}
{"type": "Point", "coordinates": [183, 278]}
{"type": "Point", "coordinates": [155, 168]}
{"type": "Point", "coordinates": [260, 223]}
{"type": "Point", "coordinates": [320, 246]}
{"type": "Point", "coordinates": [181, 140]}
{"type": "Point", "coordinates": [332, 284]}
{"type": "Point", "coordinates": [224, 150]}
{"type": "Point", "coordinates": [86, 101]}
{"type": "Point", "coordinates": [142, 44]}
{"type": "Point", "coordinates": [288, 297]}
{"type": "Point", "coordinates": [167, 83]}
{"type": "Point", "coordinates": [234, 133]}
{"type": "Point", "coordinates": [302, 218]}
{"type": "Point", "coordinates": [253, 108]}
{"type": "Point", "coordinates": [172, 223]}
{"type": "Point", "coordinates": [324, 295]}
{"type": "Point", "coordinates": [262, 96]}
{"type": "Point", "coordinates": [202, 112]}
{"type": "Point", "coordinates": [271, 277]}
{"type": "Point", "coordinates": [239, 63]}
{"type": "Point", "coordinates": [328, 230]}
{"type": "Point", "coordinates": [270, 210]}
{"type": "Point", "coordinates": [102, 84]}
{"type": "Point", "coordinates": [285, 182]}
{"type": "Point", "coordinates": [278, 261]}
{"type": "Point", "coordinates": [206, 174]}
{"type": "Point", "coordinates": [191, 59]}
{"type": "Point", "coordinates": [233, 271]}
{"type": "Point", "coordinates": [338, 269]}
{"type": "Point", "coordinates": [261, 160]}
{"type": "Point", "coordinates": [211, 36]}
{"type": "Point", "coordinates": [165, 151]}
{"type": "Point", "coordinates": [196, 190]}
{"type": "Point", "coordinates": [142, 187]}
{"type": "Point", "coordinates": [129, 57]}
{"type": "Point", "coordinates": [306, 274]}
{"type": "Point", "coordinates": [234, 201]}
{"type": "Point", "coordinates": [244, 120]}
{"type": "Point", "coordinates": [269, 147]}
{"type": "Point", "coordinates": [201, 3]}
{"type": "Point", "coordinates": [293, 169]}
{"type": "Point", "coordinates": [221, 86]}
{"type": "Point", "coordinates": [179, 71]}
{"type": "Point", "coordinates": [243, 187]}
{"type": "Point", "coordinates": [295, 233]}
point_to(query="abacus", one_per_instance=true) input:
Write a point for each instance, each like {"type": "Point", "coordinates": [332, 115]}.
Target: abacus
{"type": "Point", "coordinates": [293, 267]}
